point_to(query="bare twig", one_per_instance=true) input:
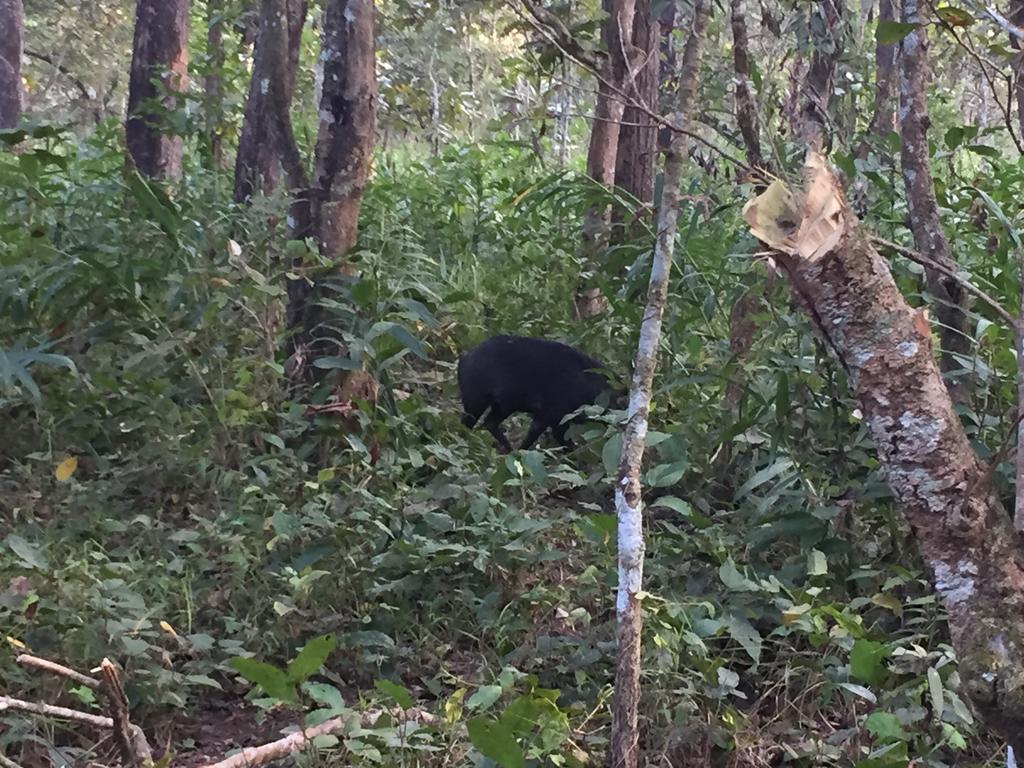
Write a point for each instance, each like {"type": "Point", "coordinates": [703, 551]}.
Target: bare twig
{"type": "Point", "coordinates": [1009, 27]}
{"type": "Point", "coordinates": [131, 741]}
{"type": "Point", "coordinates": [555, 30]}
{"type": "Point", "coordinates": [254, 756]}
{"type": "Point", "coordinates": [27, 660]}
{"type": "Point", "coordinates": [967, 285]}
{"type": "Point", "coordinates": [6, 762]}
{"type": "Point", "coordinates": [49, 710]}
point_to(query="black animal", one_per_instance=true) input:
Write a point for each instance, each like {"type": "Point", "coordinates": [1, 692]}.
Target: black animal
{"type": "Point", "coordinates": [513, 374]}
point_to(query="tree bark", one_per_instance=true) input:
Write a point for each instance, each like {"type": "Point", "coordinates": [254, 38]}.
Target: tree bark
{"type": "Point", "coordinates": [624, 749]}
{"type": "Point", "coordinates": [929, 238]}
{"type": "Point", "coordinates": [329, 210]}
{"type": "Point", "coordinates": [214, 81]}
{"type": "Point", "coordinates": [816, 87]}
{"type": "Point", "coordinates": [159, 72]}
{"type": "Point", "coordinates": [883, 119]}
{"type": "Point", "coordinates": [12, 22]}
{"type": "Point", "coordinates": [261, 146]}
{"type": "Point", "coordinates": [746, 109]}
{"type": "Point", "coordinates": [965, 535]}
{"type": "Point", "coordinates": [616, 34]}
{"type": "Point", "coordinates": [637, 154]}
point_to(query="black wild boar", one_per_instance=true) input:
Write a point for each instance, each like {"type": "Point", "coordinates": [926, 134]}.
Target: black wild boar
{"type": "Point", "coordinates": [513, 374]}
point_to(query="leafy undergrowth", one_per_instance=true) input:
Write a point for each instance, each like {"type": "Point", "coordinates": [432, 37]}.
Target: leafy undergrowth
{"type": "Point", "coordinates": [168, 503]}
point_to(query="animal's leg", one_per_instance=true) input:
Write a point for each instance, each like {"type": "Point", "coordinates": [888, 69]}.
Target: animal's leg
{"type": "Point", "coordinates": [493, 425]}
{"type": "Point", "coordinates": [536, 430]}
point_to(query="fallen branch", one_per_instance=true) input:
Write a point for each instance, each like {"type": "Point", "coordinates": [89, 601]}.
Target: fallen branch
{"type": "Point", "coordinates": [49, 710]}
{"type": "Point", "coordinates": [27, 660]}
{"type": "Point", "coordinates": [967, 285]}
{"type": "Point", "coordinates": [254, 756]}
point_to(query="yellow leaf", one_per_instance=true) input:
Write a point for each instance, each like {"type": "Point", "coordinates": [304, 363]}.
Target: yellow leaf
{"type": "Point", "coordinates": [888, 601]}
{"type": "Point", "coordinates": [16, 643]}
{"type": "Point", "coordinates": [168, 628]}
{"type": "Point", "coordinates": [66, 469]}
{"type": "Point", "coordinates": [219, 282]}
{"type": "Point", "coordinates": [792, 614]}
{"type": "Point", "coordinates": [774, 216]}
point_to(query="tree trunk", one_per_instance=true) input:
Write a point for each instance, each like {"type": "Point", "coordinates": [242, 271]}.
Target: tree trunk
{"type": "Point", "coordinates": [965, 535]}
{"type": "Point", "coordinates": [275, 59]}
{"type": "Point", "coordinates": [616, 34]}
{"type": "Point", "coordinates": [159, 72]}
{"type": "Point", "coordinates": [816, 87]}
{"type": "Point", "coordinates": [624, 749]}
{"type": "Point", "coordinates": [929, 238]}
{"type": "Point", "coordinates": [746, 109]}
{"type": "Point", "coordinates": [329, 210]}
{"type": "Point", "coordinates": [637, 153]}
{"type": "Point", "coordinates": [12, 22]}
{"type": "Point", "coordinates": [344, 145]}
{"type": "Point", "coordinates": [214, 82]}
{"type": "Point", "coordinates": [883, 119]}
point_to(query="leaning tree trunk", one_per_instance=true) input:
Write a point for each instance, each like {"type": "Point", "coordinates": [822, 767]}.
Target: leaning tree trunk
{"type": "Point", "coordinates": [816, 86]}
{"type": "Point", "coordinates": [951, 299]}
{"type": "Point", "coordinates": [275, 59]}
{"type": "Point", "coordinates": [637, 153]}
{"type": "Point", "coordinates": [746, 109]}
{"type": "Point", "coordinates": [624, 750]}
{"type": "Point", "coordinates": [329, 210]}
{"type": "Point", "coordinates": [214, 82]}
{"type": "Point", "coordinates": [883, 118]}
{"type": "Point", "coordinates": [12, 17]}
{"type": "Point", "coordinates": [965, 535]}
{"type": "Point", "coordinates": [159, 73]}
{"type": "Point", "coordinates": [616, 35]}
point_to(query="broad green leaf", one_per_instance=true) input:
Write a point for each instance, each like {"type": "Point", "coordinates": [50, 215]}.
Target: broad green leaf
{"type": "Point", "coordinates": [611, 453]}
{"type": "Point", "coordinates": [311, 658]}
{"type": "Point", "coordinates": [866, 659]}
{"type": "Point", "coordinates": [30, 555]}
{"type": "Point", "coordinates": [885, 727]}
{"type": "Point", "coordinates": [935, 692]}
{"type": "Point", "coordinates": [484, 697]}
{"type": "Point", "coordinates": [733, 579]}
{"type": "Point", "coordinates": [272, 680]}
{"type": "Point", "coordinates": [817, 563]}
{"type": "Point", "coordinates": [340, 363]}
{"type": "Point", "coordinates": [743, 632]}
{"type": "Point", "coordinates": [395, 692]}
{"type": "Point", "coordinates": [496, 741]}
{"type": "Point", "coordinates": [674, 503]}
{"type": "Point", "coordinates": [891, 32]}
{"type": "Point", "coordinates": [955, 17]}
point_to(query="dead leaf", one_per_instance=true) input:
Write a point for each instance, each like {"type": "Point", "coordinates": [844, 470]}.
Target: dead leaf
{"type": "Point", "coordinates": [66, 469]}
{"type": "Point", "coordinates": [823, 222]}
{"type": "Point", "coordinates": [774, 217]}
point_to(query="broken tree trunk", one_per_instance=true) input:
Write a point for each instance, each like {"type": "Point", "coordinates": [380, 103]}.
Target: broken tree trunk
{"type": "Point", "coordinates": [965, 535]}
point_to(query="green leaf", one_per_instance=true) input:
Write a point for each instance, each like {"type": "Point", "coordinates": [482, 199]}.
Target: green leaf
{"type": "Point", "coordinates": [866, 658]}
{"type": "Point", "coordinates": [984, 150]}
{"type": "Point", "coordinates": [495, 741]}
{"type": "Point", "coordinates": [155, 202]}
{"type": "Point", "coordinates": [817, 563]}
{"type": "Point", "coordinates": [891, 32]}
{"type": "Point", "coordinates": [311, 658]}
{"type": "Point", "coordinates": [362, 293]}
{"type": "Point", "coordinates": [611, 453]}
{"type": "Point", "coordinates": [675, 504]}
{"type": "Point", "coordinates": [30, 555]}
{"type": "Point", "coordinates": [272, 680]}
{"type": "Point", "coordinates": [885, 727]}
{"type": "Point", "coordinates": [733, 579]}
{"type": "Point", "coordinates": [955, 17]}
{"type": "Point", "coordinates": [395, 692]}
{"type": "Point", "coordinates": [743, 632]}
{"type": "Point", "coordinates": [484, 697]}
{"type": "Point", "coordinates": [935, 692]}
{"type": "Point", "coordinates": [340, 363]}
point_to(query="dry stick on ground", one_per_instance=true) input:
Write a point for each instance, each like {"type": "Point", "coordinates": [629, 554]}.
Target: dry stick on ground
{"type": "Point", "coordinates": [254, 756]}
{"type": "Point", "coordinates": [49, 710]}
{"type": "Point", "coordinates": [28, 660]}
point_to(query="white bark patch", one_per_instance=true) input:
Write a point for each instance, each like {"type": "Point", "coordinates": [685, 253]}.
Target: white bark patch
{"type": "Point", "coordinates": [922, 432]}
{"type": "Point", "coordinates": [264, 85]}
{"type": "Point", "coordinates": [907, 348]}
{"type": "Point", "coordinates": [955, 586]}
{"type": "Point", "coordinates": [631, 550]}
